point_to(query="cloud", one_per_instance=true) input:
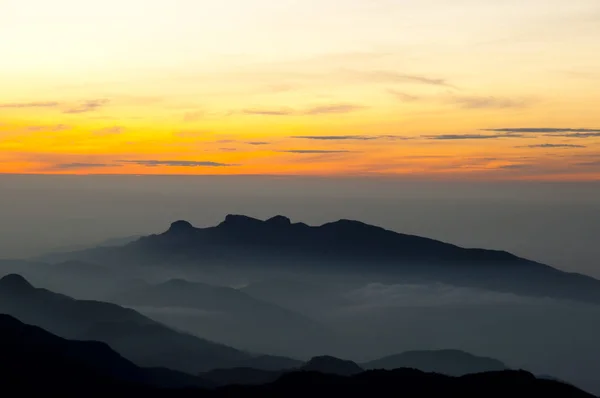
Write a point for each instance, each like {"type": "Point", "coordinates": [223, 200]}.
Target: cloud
{"type": "Point", "coordinates": [269, 112]}
{"type": "Point", "coordinates": [334, 108]}
{"type": "Point", "coordinates": [77, 166]}
{"type": "Point", "coordinates": [176, 163]}
{"type": "Point", "coordinates": [336, 137]}
{"type": "Point", "coordinates": [575, 135]}
{"type": "Point", "coordinates": [313, 111]}
{"type": "Point", "coordinates": [552, 146]}
{"type": "Point", "coordinates": [15, 105]}
{"type": "Point", "coordinates": [87, 106]}
{"type": "Point", "coordinates": [395, 77]}
{"type": "Point", "coordinates": [542, 130]}
{"type": "Point", "coordinates": [476, 102]}
{"type": "Point", "coordinates": [257, 143]}
{"type": "Point", "coordinates": [470, 136]}
{"type": "Point", "coordinates": [227, 149]}
{"type": "Point", "coordinates": [513, 166]}
{"type": "Point", "coordinates": [109, 131]}
{"type": "Point", "coordinates": [427, 157]}
{"type": "Point", "coordinates": [56, 128]}
{"type": "Point", "coordinates": [350, 137]}
{"type": "Point", "coordinates": [313, 151]}
{"type": "Point", "coordinates": [403, 96]}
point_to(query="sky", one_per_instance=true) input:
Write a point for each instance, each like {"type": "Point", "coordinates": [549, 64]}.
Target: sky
{"type": "Point", "coordinates": [430, 89]}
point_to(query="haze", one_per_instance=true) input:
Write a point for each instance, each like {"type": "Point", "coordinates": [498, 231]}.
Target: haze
{"type": "Point", "coordinates": [549, 222]}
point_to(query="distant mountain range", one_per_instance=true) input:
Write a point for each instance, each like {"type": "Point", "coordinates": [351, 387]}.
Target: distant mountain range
{"type": "Point", "coordinates": [37, 361]}
{"type": "Point", "coordinates": [343, 246]}
{"type": "Point", "coordinates": [448, 362]}
{"type": "Point", "coordinates": [136, 337]}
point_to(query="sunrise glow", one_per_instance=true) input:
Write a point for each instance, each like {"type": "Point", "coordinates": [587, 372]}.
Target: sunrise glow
{"type": "Point", "coordinates": [432, 88]}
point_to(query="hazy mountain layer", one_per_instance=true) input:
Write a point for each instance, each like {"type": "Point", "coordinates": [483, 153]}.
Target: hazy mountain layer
{"type": "Point", "coordinates": [242, 243]}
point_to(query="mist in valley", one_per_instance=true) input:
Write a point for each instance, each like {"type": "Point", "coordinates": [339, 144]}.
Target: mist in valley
{"type": "Point", "coordinates": [301, 309]}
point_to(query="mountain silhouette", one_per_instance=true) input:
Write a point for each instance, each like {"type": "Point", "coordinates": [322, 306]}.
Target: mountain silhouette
{"type": "Point", "coordinates": [36, 361]}
{"type": "Point", "coordinates": [29, 350]}
{"type": "Point", "coordinates": [448, 362]}
{"type": "Point", "coordinates": [405, 383]}
{"type": "Point", "coordinates": [249, 376]}
{"type": "Point", "coordinates": [136, 337]}
{"type": "Point", "coordinates": [331, 365]}
{"type": "Point", "coordinates": [344, 246]}
{"type": "Point", "coordinates": [39, 363]}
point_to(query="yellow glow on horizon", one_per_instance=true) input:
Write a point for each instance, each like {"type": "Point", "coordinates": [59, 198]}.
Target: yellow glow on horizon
{"type": "Point", "coordinates": [228, 87]}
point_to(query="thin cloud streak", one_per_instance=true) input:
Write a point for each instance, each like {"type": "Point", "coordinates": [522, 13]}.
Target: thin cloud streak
{"type": "Point", "coordinates": [313, 151]}
{"type": "Point", "coordinates": [87, 106]}
{"type": "Point", "coordinates": [327, 109]}
{"type": "Point", "coordinates": [542, 130]}
{"type": "Point", "coordinates": [470, 136]}
{"type": "Point", "coordinates": [78, 166]}
{"type": "Point", "coordinates": [575, 135]}
{"type": "Point", "coordinates": [475, 102]}
{"type": "Point", "coordinates": [48, 104]}
{"type": "Point", "coordinates": [396, 77]}
{"type": "Point", "coordinates": [176, 163]}
{"type": "Point", "coordinates": [350, 137]}
{"type": "Point", "coordinates": [552, 146]}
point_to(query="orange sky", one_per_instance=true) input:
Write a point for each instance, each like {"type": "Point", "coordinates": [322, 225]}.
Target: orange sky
{"type": "Point", "coordinates": [472, 89]}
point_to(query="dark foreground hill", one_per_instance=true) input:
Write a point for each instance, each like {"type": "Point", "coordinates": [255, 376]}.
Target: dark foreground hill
{"type": "Point", "coordinates": [31, 353]}
{"type": "Point", "coordinates": [407, 383]}
{"type": "Point", "coordinates": [344, 246]}
{"type": "Point", "coordinates": [136, 337]}
{"type": "Point", "coordinates": [446, 362]}
{"type": "Point", "coordinates": [36, 362]}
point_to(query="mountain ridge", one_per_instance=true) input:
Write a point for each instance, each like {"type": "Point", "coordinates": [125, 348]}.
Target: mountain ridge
{"type": "Point", "coordinates": [343, 246]}
{"type": "Point", "coordinates": [140, 339]}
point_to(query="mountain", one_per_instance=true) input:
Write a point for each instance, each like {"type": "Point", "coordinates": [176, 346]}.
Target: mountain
{"type": "Point", "coordinates": [331, 365]}
{"type": "Point", "coordinates": [251, 376]}
{"type": "Point", "coordinates": [222, 312]}
{"type": "Point", "coordinates": [240, 376]}
{"type": "Point", "coordinates": [54, 361]}
{"type": "Point", "coordinates": [347, 246]}
{"type": "Point", "coordinates": [269, 363]}
{"type": "Point", "coordinates": [39, 363]}
{"type": "Point", "coordinates": [136, 337]}
{"type": "Point", "coordinates": [448, 362]}
{"type": "Point", "coordinates": [407, 383]}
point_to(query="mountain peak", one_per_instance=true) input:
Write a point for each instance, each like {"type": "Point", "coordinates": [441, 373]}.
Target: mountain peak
{"type": "Point", "coordinates": [15, 282]}
{"type": "Point", "coordinates": [279, 221]}
{"type": "Point", "coordinates": [181, 225]}
{"type": "Point", "coordinates": [240, 220]}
